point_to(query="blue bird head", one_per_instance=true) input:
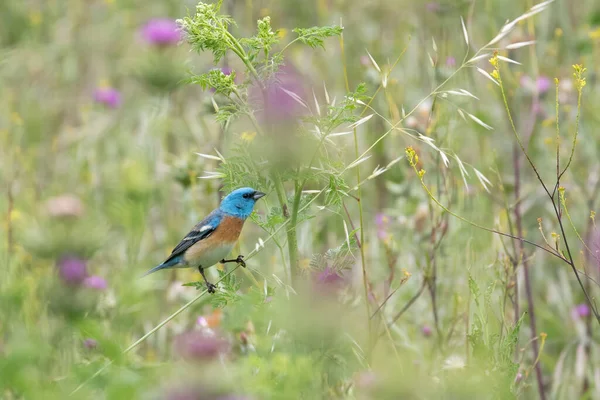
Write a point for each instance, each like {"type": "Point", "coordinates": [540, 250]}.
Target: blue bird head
{"type": "Point", "coordinates": [240, 202]}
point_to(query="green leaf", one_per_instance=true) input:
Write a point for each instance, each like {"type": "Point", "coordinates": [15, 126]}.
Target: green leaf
{"type": "Point", "coordinates": [474, 289]}
{"type": "Point", "coordinates": [264, 40]}
{"type": "Point", "coordinates": [207, 30]}
{"type": "Point", "coordinates": [217, 80]}
{"type": "Point", "coordinates": [314, 36]}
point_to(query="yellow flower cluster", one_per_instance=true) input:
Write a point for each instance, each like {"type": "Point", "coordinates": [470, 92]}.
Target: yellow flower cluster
{"type": "Point", "coordinates": [578, 75]}
{"type": "Point", "coordinates": [494, 61]}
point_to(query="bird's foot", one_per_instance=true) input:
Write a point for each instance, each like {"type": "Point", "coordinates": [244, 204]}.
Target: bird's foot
{"type": "Point", "coordinates": [211, 287]}
{"type": "Point", "coordinates": [239, 260]}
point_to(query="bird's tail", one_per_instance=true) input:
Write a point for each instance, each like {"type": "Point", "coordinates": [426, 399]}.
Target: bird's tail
{"type": "Point", "coordinates": [167, 264]}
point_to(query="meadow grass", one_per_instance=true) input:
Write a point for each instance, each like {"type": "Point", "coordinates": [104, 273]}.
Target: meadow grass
{"type": "Point", "coordinates": [429, 230]}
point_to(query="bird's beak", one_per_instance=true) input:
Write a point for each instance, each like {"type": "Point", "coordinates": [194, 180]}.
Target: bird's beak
{"type": "Point", "coordinates": [258, 195]}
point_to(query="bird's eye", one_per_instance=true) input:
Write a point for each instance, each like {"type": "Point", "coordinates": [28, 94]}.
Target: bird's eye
{"type": "Point", "coordinates": [246, 195]}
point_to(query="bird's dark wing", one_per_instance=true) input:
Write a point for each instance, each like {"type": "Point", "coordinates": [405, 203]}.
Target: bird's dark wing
{"type": "Point", "coordinates": [201, 231]}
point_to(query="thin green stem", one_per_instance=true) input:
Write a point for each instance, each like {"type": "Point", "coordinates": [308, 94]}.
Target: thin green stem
{"type": "Point", "coordinates": [360, 212]}
{"type": "Point", "coordinates": [575, 136]}
{"type": "Point", "coordinates": [291, 232]}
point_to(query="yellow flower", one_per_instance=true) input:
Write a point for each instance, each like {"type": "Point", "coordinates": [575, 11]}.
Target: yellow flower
{"type": "Point", "coordinates": [548, 122]}
{"type": "Point", "coordinates": [558, 32]}
{"type": "Point", "coordinates": [578, 75]}
{"type": "Point", "coordinates": [35, 17]}
{"type": "Point", "coordinates": [248, 136]}
{"type": "Point", "coordinates": [304, 264]}
{"type": "Point", "coordinates": [494, 60]}
{"type": "Point", "coordinates": [281, 33]}
{"type": "Point", "coordinates": [595, 34]}
{"type": "Point", "coordinates": [104, 83]}
{"type": "Point", "coordinates": [16, 119]}
{"type": "Point", "coordinates": [495, 75]}
{"type": "Point", "coordinates": [15, 215]}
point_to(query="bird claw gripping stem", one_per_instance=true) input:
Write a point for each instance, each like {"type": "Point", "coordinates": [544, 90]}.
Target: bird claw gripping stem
{"type": "Point", "coordinates": [239, 260]}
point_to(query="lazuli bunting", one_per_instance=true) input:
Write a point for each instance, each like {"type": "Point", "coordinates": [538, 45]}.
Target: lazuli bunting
{"type": "Point", "coordinates": [211, 240]}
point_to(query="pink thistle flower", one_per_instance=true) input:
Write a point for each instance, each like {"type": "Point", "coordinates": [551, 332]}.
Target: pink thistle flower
{"type": "Point", "coordinates": [195, 345]}
{"type": "Point", "coordinates": [72, 270]}
{"type": "Point", "coordinates": [161, 32]}
{"type": "Point", "coordinates": [580, 311]}
{"type": "Point", "coordinates": [108, 96]}
{"type": "Point", "coordinates": [426, 330]}
{"type": "Point", "coordinates": [95, 282]}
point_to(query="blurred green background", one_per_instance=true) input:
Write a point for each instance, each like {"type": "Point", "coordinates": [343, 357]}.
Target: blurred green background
{"type": "Point", "coordinates": [99, 181]}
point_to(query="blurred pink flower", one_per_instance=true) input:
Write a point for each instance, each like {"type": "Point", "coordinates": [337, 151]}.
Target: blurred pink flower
{"type": "Point", "coordinates": [90, 344]}
{"type": "Point", "coordinates": [580, 311]}
{"type": "Point", "coordinates": [161, 32]}
{"type": "Point", "coordinates": [382, 222]}
{"type": "Point", "coordinates": [95, 282]}
{"type": "Point", "coordinates": [542, 84]}
{"type": "Point", "coordinates": [329, 277]}
{"type": "Point", "coordinates": [108, 96]}
{"type": "Point", "coordinates": [518, 377]}
{"type": "Point", "coordinates": [450, 61]}
{"type": "Point", "coordinates": [67, 205]}
{"type": "Point", "coordinates": [195, 345]}
{"type": "Point", "coordinates": [426, 330]}
{"type": "Point", "coordinates": [433, 6]}
{"type": "Point", "coordinates": [200, 393]}
{"type": "Point", "coordinates": [365, 61]}
{"type": "Point", "coordinates": [275, 102]}
{"type": "Point", "coordinates": [365, 379]}
{"type": "Point", "coordinates": [72, 270]}
{"type": "Point", "coordinates": [328, 282]}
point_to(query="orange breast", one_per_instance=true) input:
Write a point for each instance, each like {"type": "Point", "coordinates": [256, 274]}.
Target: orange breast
{"type": "Point", "coordinates": [218, 244]}
{"type": "Point", "coordinates": [229, 229]}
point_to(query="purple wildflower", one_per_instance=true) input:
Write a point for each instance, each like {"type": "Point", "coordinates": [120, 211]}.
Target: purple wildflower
{"type": "Point", "coordinates": [161, 32]}
{"type": "Point", "coordinates": [108, 96]}
{"type": "Point", "coordinates": [195, 345]}
{"type": "Point", "coordinates": [200, 393]}
{"type": "Point", "coordinates": [518, 377]}
{"type": "Point", "coordinates": [382, 223]}
{"type": "Point", "coordinates": [365, 379]}
{"type": "Point", "coordinates": [580, 311]}
{"type": "Point", "coordinates": [433, 7]}
{"type": "Point", "coordinates": [278, 100]}
{"type": "Point", "coordinates": [72, 270]}
{"type": "Point", "coordinates": [365, 61]}
{"type": "Point", "coordinates": [95, 282]}
{"type": "Point", "coordinates": [329, 276]}
{"type": "Point", "coordinates": [328, 282]}
{"type": "Point", "coordinates": [67, 205]}
{"type": "Point", "coordinates": [90, 344]}
{"type": "Point", "coordinates": [543, 84]}
{"type": "Point", "coordinates": [426, 330]}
